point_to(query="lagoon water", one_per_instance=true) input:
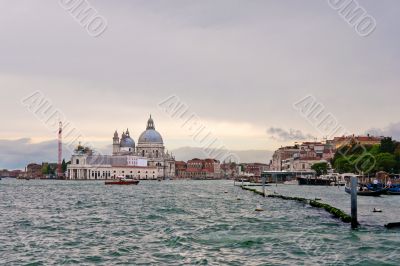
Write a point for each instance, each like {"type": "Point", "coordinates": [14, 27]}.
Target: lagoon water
{"type": "Point", "coordinates": [184, 223]}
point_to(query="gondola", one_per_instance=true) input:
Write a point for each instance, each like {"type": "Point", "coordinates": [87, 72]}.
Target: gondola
{"type": "Point", "coordinates": [394, 190]}
{"type": "Point", "coordinates": [368, 192]}
{"type": "Point", "coordinates": [122, 181]}
{"type": "Point", "coordinates": [389, 192]}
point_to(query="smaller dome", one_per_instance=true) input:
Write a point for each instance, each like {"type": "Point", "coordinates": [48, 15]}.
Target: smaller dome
{"type": "Point", "coordinates": [127, 142]}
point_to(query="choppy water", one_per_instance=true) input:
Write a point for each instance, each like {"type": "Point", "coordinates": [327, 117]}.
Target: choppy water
{"type": "Point", "coordinates": [175, 223]}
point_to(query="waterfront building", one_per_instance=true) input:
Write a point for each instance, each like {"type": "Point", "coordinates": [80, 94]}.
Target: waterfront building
{"type": "Point", "coordinates": [34, 170]}
{"type": "Point", "coordinates": [361, 140]}
{"type": "Point", "coordinates": [282, 154]}
{"type": "Point", "coordinates": [10, 173]}
{"type": "Point", "coordinates": [148, 160]}
{"type": "Point", "coordinates": [302, 156]}
{"type": "Point", "coordinates": [229, 170]}
{"type": "Point", "coordinates": [199, 169]}
{"type": "Point", "coordinates": [255, 169]}
{"type": "Point", "coordinates": [180, 169]}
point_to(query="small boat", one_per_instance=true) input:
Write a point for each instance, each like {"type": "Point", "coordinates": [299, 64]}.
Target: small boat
{"type": "Point", "coordinates": [376, 210]}
{"type": "Point", "coordinates": [371, 193]}
{"type": "Point", "coordinates": [394, 190]}
{"type": "Point", "coordinates": [291, 182]}
{"type": "Point", "coordinates": [122, 181]}
{"type": "Point", "coordinates": [390, 192]}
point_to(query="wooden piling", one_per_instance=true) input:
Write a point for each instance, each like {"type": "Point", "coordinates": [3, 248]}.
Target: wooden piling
{"type": "Point", "coordinates": [354, 185]}
{"type": "Point", "coordinates": [332, 210]}
{"type": "Point", "coordinates": [263, 185]}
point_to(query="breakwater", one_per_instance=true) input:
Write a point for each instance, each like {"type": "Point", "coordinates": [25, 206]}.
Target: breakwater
{"type": "Point", "coordinates": [335, 212]}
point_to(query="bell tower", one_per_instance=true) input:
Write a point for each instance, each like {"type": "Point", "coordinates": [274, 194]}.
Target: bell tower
{"type": "Point", "coordinates": [115, 143]}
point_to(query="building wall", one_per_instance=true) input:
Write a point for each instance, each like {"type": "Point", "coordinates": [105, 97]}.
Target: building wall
{"type": "Point", "coordinates": [130, 166]}
{"type": "Point", "coordinates": [201, 169]}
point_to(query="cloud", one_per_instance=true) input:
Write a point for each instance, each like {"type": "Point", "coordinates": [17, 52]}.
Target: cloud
{"type": "Point", "coordinates": [392, 130]}
{"type": "Point", "coordinates": [280, 134]}
{"type": "Point", "coordinates": [16, 154]}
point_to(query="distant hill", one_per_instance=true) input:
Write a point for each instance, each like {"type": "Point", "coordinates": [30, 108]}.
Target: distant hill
{"type": "Point", "coordinates": [246, 156]}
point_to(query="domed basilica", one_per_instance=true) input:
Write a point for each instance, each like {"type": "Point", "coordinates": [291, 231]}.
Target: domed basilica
{"type": "Point", "coordinates": [150, 145]}
{"type": "Point", "coordinates": [147, 160]}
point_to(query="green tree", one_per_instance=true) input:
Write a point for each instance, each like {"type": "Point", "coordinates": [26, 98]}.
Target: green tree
{"type": "Point", "coordinates": [320, 168]}
{"type": "Point", "coordinates": [397, 158]}
{"type": "Point", "coordinates": [388, 145]}
{"type": "Point", "coordinates": [385, 162]}
{"type": "Point", "coordinates": [375, 149]}
{"type": "Point", "coordinates": [343, 165]}
{"type": "Point", "coordinates": [45, 169]}
{"type": "Point", "coordinates": [64, 166]}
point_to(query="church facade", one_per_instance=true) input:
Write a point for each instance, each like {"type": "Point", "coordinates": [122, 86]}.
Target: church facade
{"type": "Point", "coordinates": [147, 160]}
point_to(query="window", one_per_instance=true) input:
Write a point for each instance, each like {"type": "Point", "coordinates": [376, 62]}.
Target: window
{"type": "Point", "coordinates": [77, 161]}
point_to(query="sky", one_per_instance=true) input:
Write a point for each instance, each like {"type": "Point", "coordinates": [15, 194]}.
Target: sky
{"type": "Point", "coordinates": [239, 66]}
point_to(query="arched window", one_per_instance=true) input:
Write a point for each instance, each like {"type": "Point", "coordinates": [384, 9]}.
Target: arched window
{"type": "Point", "coordinates": [157, 153]}
{"type": "Point", "coordinates": [77, 161]}
{"type": "Point", "coordinates": [143, 153]}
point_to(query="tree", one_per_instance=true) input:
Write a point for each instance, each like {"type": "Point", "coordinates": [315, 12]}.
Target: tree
{"type": "Point", "coordinates": [385, 162]}
{"type": "Point", "coordinates": [320, 168]}
{"type": "Point", "coordinates": [63, 166]}
{"type": "Point", "coordinates": [397, 158]}
{"type": "Point", "coordinates": [45, 169]}
{"type": "Point", "coordinates": [375, 149]}
{"type": "Point", "coordinates": [343, 165]}
{"type": "Point", "coordinates": [388, 145]}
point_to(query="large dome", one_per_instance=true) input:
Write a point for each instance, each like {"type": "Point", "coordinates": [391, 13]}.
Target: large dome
{"type": "Point", "coordinates": [150, 135]}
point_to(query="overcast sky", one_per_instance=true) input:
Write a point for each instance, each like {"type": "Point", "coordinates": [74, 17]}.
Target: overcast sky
{"type": "Point", "coordinates": [238, 65]}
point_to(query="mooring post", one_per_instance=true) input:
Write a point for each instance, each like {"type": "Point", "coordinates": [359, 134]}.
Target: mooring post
{"type": "Point", "coordinates": [354, 185]}
{"type": "Point", "coordinates": [263, 185]}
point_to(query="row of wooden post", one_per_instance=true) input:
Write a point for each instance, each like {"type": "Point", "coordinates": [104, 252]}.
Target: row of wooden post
{"type": "Point", "coordinates": [354, 185]}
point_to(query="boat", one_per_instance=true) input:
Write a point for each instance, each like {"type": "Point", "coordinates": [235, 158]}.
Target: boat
{"type": "Point", "coordinates": [291, 182]}
{"type": "Point", "coordinates": [371, 193]}
{"type": "Point", "coordinates": [122, 181]}
{"type": "Point", "coordinates": [393, 189]}
{"type": "Point", "coordinates": [313, 181]}
{"type": "Point", "coordinates": [323, 180]}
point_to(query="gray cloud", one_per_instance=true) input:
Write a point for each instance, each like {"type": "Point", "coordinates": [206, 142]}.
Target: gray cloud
{"type": "Point", "coordinates": [288, 135]}
{"type": "Point", "coordinates": [217, 56]}
{"type": "Point", "coordinates": [16, 154]}
{"type": "Point", "coordinates": [392, 130]}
